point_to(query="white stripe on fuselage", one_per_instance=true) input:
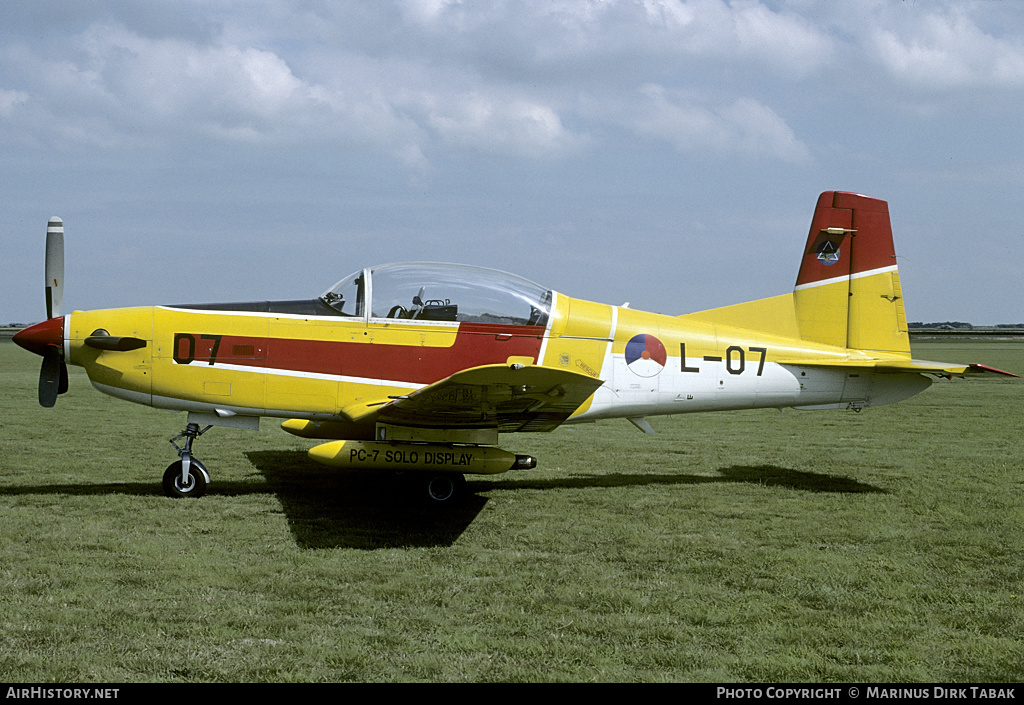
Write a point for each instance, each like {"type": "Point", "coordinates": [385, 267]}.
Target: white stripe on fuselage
{"type": "Point", "coordinates": [305, 375]}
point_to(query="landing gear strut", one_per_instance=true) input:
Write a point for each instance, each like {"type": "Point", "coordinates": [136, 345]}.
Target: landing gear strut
{"type": "Point", "coordinates": [186, 477]}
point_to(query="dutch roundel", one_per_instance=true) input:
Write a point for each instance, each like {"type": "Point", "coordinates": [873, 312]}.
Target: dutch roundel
{"type": "Point", "coordinates": [645, 355]}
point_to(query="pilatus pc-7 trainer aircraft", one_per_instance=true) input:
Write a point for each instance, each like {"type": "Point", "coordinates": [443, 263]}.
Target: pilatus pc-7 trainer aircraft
{"type": "Point", "coordinates": [419, 367]}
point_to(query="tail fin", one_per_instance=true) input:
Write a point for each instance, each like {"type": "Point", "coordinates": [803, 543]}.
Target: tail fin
{"type": "Point", "coordinates": [848, 289]}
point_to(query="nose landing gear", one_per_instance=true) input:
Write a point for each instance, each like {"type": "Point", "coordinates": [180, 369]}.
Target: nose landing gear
{"type": "Point", "coordinates": [186, 477]}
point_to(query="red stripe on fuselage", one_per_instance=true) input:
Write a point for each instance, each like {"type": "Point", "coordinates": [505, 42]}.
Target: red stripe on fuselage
{"type": "Point", "coordinates": [475, 344]}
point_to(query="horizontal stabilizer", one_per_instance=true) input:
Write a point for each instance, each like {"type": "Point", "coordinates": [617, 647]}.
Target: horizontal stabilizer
{"type": "Point", "coordinates": [943, 369]}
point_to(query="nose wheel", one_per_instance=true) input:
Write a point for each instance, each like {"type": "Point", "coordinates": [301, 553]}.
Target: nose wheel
{"type": "Point", "coordinates": [181, 483]}
{"type": "Point", "coordinates": [186, 477]}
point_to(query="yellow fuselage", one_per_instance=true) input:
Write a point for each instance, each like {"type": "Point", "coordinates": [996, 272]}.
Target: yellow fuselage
{"type": "Point", "coordinates": [325, 368]}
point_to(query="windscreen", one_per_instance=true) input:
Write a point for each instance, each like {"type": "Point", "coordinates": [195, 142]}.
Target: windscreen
{"type": "Point", "coordinates": [449, 292]}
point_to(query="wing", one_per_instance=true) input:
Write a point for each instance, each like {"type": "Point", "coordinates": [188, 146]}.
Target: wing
{"type": "Point", "coordinates": [503, 397]}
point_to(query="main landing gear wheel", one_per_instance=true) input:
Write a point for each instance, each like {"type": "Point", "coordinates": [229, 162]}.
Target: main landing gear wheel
{"type": "Point", "coordinates": [194, 486]}
{"type": "Point", "coordinates": [444, 489]}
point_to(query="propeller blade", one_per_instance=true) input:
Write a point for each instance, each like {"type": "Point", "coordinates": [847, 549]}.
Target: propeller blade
{"type": "Point", "coordinates": [54, 267]}
{"type": "Point", "coordinates": [50, 377]}
{"type": "Point", "coordinates": [62, 383]}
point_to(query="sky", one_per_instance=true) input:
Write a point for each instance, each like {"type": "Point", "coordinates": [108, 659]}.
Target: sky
{"type": "Point", "coordinates": [663, 153]}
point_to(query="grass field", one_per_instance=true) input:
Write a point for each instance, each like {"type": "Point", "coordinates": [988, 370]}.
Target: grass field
{"type": "Point", "coordinates": [884, 546]}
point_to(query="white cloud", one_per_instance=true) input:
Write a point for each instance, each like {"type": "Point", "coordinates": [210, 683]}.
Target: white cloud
{"type": "Point", "coordinates": [948, 50]}
{"type": "Point", "coordinates": [743, 126]}
{"type": "Point", "coordinates": [9, 99]}
{"type": "Point", "coordinates": [114, 85]}
{"type": "Point", "coordinates": [426, 11]}
{"type": "Point", "coordinates": [498, 123]}
{"type": "Point", "coordinates": [743, 31]}
{"type": "Point", "coordinates": [411, 115]}
{"type": "Point", "coordinates": [219, 88]}
{"type": "Point", "coordinates": [128, 82]}
{"type": "Point", "coordinates": [415, 78]}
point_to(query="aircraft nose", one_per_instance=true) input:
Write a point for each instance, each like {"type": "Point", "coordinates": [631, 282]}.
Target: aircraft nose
{"type": "Point", "coordinates": [39, 337]}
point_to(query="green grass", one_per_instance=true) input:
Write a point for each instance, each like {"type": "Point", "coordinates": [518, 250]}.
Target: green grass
{"type": "Point", "coordinates": [883, 546]}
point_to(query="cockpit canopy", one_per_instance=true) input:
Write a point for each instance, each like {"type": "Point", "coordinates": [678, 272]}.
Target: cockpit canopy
{"type": "Point", "coordinates": [440, 292]}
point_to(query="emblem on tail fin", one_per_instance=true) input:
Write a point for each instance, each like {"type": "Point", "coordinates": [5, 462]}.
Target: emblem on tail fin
{"type": "Point", "coordinates": [828, 253]}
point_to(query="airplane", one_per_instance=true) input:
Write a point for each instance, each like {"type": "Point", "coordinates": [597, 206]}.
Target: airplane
{"type": "Point", "coordinates": [417, 368]}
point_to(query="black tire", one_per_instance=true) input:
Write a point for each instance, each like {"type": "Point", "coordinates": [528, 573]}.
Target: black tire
{"type": "Point", "coordinates": [445, 489]}
{"type": "Point", "coordinates": [197, 476]}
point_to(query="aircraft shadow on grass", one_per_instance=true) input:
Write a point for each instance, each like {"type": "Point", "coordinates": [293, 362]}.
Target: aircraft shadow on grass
{"type": "Point", "coordinates": [766, 475]}
{"type": "Point", "coordinates": [367, 510]}
{"type": "Point", "coordinates": [330, 509]}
